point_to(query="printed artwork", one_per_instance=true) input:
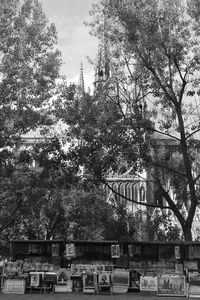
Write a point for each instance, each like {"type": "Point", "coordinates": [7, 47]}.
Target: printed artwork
{"type": "Point", "coordinates": [70, 250]}
{"type": "Point", "coordinates": [14, 286]}
{"type": "Point", "coordinates": [35, 280]}
{"type": "Point", "coordinates": [135, 279]}
{"type": "Point", "coordinates": [89, 281]}
{"type": "Point", "coordinates": [148, 283]}
{"type": "Point", "coordinates": [115, 251]}
{"type": "Point", "coordinates": [120, 278]}
{"type": "Point", "coordinates": [194, 276]}
{"type": "Point", "coordinates": [194, 289]}
{"type": "Point", "coordinates": [177, 252]}
{"type": "Point", "coordinates": [108, 268]}
{"type": "Point", "coordinates": [12, 268]}
{"type": "Point", "coordinates": [104, 279]}
{"type": "Point", "coordinates": [171, 285]}
{"type": "Point", "coordinates": [191, 265]}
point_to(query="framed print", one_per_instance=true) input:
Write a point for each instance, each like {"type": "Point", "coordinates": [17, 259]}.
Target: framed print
{"type": "Point", "coordinates": [194, 289]}
{"type": "Point", "coordinates": [104, 279]}
{"type": "Point", "coordinates": [135, 279]}
{"type": "Point", "coordinates": [89, 281]}
{"type": "Point", "coordinates": [115, 251]}
{"type": "Point", "coordinates": [171, 285]}
{"type": "Point", "coordinates": [120, 278]}
{"type": "Point", "coordinates": [70, 250]}
{"type": "Point", "coordinates": [14, 286]}
{"type": "Point", "coordinates": [108, 268]}
{"type": "Point", "coordinates": [36, 279]}
{"type": "Point", "coordinates": [148, 283]}
{"type": "Point", "coordinates": [190, 265]}
{"type": "Point", "coordinates": [177, 252]}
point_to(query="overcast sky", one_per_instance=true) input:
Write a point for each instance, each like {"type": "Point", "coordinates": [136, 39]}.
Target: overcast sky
{"type": "Point", "coordinates": [74, 39]}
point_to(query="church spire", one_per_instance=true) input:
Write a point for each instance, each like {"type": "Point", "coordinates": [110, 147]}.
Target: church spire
{"type": "Point", "coordinates": [81, 81]}
{"type": "Point", "coordinates": [102, 69]}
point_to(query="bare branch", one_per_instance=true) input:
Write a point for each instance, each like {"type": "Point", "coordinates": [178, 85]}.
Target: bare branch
{"type": "Point", "coordinates": [167, 134]}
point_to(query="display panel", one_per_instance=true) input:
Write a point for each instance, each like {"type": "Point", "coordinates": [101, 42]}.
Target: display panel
{"type": "Point", "coordinates": [171, 285]}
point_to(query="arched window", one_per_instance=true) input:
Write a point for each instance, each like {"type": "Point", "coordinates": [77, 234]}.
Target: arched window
{"type": "Point", "coordinates": [136, 193]}
{"type": "Point", "coordinates": [142, 194]}
{"type": "Point", "coordinates": [127, 191]}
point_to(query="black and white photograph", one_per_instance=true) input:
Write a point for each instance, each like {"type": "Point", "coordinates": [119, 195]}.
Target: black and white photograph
{"type": "Point", "coordinates": [99, 149]}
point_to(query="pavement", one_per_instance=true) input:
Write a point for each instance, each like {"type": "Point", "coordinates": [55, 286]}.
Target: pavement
{"type": "Point", "coordinates": [81, 296]}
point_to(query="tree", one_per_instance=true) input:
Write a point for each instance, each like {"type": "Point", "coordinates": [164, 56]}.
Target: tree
{"type": "Point", "coordinates": [90, 217]}
{"type": "Point", "coordinates": [39, 193]}
{"type": "Point", "coordinates": [29, 70]}
{"type": "Point", "coordinates": [155, 126]}
{"type": "Point", "coordinates": [30, 65]}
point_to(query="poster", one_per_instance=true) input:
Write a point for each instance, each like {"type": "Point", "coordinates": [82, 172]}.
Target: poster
{"type": "Point", "coordinates": [171, 285]}
{"type": "Point", "coordinates": [148, 283]}
{"type": "Point", "coordinates": [115, 251]}
{"type": "Point", "coordinates": [70, 250]}
{"type": "Point", "coordinates": [89, 281]}
{"type": "Point", "coordinates": [194, 289]}
{"type": "Point", "coordinates": [135, 279]}
{"type": "Point", "coordinates": [177, 252]}
{"type": "Point", "coordinates": [190, 265]}
{"type": "Point", "coordinates": [35, 279]}
{"type": "Point", "coordinates": [104, 279]}
{"type": "Point", "coordinates": [194, 276]}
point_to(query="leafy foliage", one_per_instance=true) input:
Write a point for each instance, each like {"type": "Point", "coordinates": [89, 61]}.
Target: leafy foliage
{"type": "Point", "coordinates": [154, 47]}
{"type": "Point", "coordinates": [29, 68]}
{"type": "Point", "coordinates": [33, 197]}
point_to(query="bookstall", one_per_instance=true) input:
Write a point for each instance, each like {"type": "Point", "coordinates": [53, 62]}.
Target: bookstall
{"type": "Point", "coordinates": [33, 267]}
{"type": "Point", "coordinates": [92, 263]}
{"type": "Point", "coordinates": [158, 268]}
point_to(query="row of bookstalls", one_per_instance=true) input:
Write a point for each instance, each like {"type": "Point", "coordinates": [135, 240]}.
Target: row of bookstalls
{"type": "Point", "coordinates": [158, 268]}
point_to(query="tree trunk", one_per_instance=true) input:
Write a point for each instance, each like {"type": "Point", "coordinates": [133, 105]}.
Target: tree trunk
{"type": "Point", "coordinates": [187, 231]}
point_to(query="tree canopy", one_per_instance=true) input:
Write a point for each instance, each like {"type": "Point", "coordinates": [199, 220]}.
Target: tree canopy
{"type": "Point", "coordinates": [30, 64]}
{"type": "Point", "coordinates": [29, 70]}
{"type": "Point", "coordinates": [146, 114]}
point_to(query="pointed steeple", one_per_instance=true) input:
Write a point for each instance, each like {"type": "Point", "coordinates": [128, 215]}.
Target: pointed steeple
{"type": "Point", "coordinates": [81, 81]}
{"type": "Point", "coordinates": [102, 68]}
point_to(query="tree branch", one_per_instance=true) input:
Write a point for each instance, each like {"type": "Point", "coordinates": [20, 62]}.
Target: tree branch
{"type": "Point", "coordinates": [191, 134]}
{"type": "Point", "coordinates": [167, 168]}
{"type": "Point", "coordinates": [8, 221]}
{"type": "Point", "coordinates": [172, 205]}
{"type": "Point", "coordinates": [167, 134]}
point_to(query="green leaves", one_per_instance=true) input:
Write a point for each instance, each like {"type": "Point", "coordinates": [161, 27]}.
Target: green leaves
{"type": "Point", "coordinates": [29, 66]}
